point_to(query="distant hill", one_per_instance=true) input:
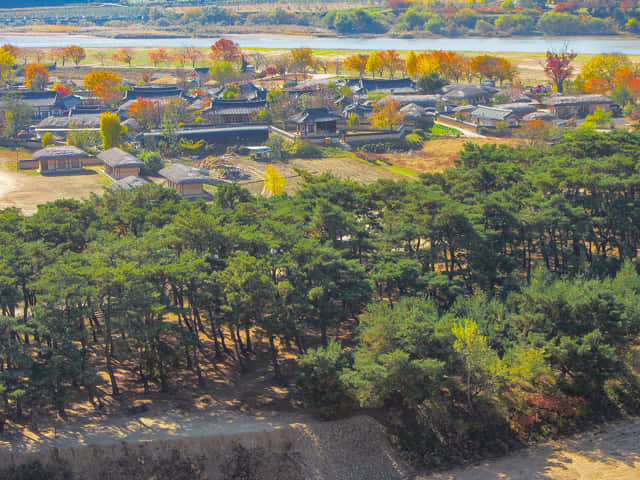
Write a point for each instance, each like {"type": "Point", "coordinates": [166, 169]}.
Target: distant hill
{"type": "Point", "coordinates": [41, 3]}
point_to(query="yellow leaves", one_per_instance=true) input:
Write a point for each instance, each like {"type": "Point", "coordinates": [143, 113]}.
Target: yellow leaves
{"type": "Point", "coordinates": [6, 62]}
{"type": "Point", "coordinates": [411, 64]}
{"type": "Point", "coordinates": [387, 116]}
{"type": "Point", "coordinates": [103, 84]}
{"type": "Point", "coordinates": [274, 182]}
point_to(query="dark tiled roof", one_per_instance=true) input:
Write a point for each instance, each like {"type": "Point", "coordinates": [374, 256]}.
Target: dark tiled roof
{"type": "Point", "coordinates": [312, 115]}
{"type": "Point", "coordinates": [152, 92]}
{"type": "Point", "coordinates": [421, 100]}
{"type": "Point", "coordinates": [518, 108]}
{"type": "Point", "coordinates": [462, 91]}
{"type": "Point", "coordinates": [577, 100]}
{"type": "Point", "coordinates": [116, 158]}
{"type": "Point", "coordinates": [68, 151]}
{"type": "Point", "coordinates": [46, 98]}
{"type": "Point", "coordinates": [491, 113]}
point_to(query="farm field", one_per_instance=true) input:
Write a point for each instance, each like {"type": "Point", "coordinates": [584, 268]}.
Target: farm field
{"type": "Point", "coordinates": [440, 153]}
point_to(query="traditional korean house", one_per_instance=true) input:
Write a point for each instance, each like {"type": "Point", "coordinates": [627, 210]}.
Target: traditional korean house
{"type": "Point", "coordinates": [577, 106]}
{"type": "Point", "coordinates": [424, 101]}
{"type": "Point", "coordinates": [240, 111]}
{"type": "Point", "coordinates": [315, 122]}
{"type": "Point", "coordinates": [470, 93]}
{"type": "Point", "coordinates": [491, 116]}
{"type": "Point", "coordinates": [189, 181]}
{"type": "Point", "coordinates": [120, 164]}
{"type": "Point", "coordinates": [363, 86]}
{"type": "Point", "coordinates": [519, 109]}
{"type": "Point", "coordinates": [65, 159]}
{"type": "Point", "coordinates": [44, 103]}
{"type": "Point", "coordinates": [416, 116]}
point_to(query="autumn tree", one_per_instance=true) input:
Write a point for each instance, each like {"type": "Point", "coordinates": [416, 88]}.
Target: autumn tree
{"type": "Point", "coordinates": [374, 64]}
{"type": "Point", "coordinates": [391, 61]}
{"type": "Point", "coordinates": [274, 182]}
{"type": "Point", "coordinates": [598, 74]}
{"type": "Point", "coordinates": [300, 59]}
{"type": "Point", "coordinates": [157, 56]}
{"type": "Point", "coordinates": [104, 85]}
{"type": "Point", "coordinates": [225, 50]}
{"type": "Point", "coordinates": [124, 55]}
{"type": "Point", "coordinates": [193, 55]}
{"type": "Point", "coordinates": [411, 64]}
{"type": "Point", "coordinates": [557, 66]}
{"type": "Point", "coordinates": [36, 76]}
{"type": "Point", "coordinates": [223, 71]}
{"type": "Point", "coordinates": [386, 115]}
{"type": "Point", "coordinates": [493, 68]}
{"type": "Point", "coordinates": [110, 130]}
{"type": "Point", "coordinates": [147, 112]}
{"type": "Point", "coordinates": [75, 53]}
{"type": "Point", "coordinates": [7, 61]}
{"type": "Point", "coordinates": [356, 63]}
{"type": "Point", "coordinates": [12, 49]}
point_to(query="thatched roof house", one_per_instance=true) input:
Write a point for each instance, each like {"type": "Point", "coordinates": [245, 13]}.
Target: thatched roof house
{"type": "Point", "coordinates": [60, 159]}
{"type": "Point", "coordinates": [187, 180]}
{"type": "Point", "coordinates": [120, 164]}
{"type": "Point", "coordinates": [129, 183]}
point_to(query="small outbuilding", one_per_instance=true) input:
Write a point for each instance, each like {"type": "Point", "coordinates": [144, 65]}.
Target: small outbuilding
{"type": "Point", "coordinates": [189, 181]}
{"type": "Point", "coordinates": [65, 159]}
{"type": "Point", "coordinates": [491, 116]}
{"type": "Point", "coordinates": [120, 164]}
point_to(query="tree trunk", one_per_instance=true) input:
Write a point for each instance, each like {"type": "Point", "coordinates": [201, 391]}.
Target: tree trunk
{"type": "Point", "coordinates": [274, 357]}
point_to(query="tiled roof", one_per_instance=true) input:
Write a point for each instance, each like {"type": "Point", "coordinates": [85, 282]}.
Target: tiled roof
{"type": "Point", "coordinates": [312, 115]}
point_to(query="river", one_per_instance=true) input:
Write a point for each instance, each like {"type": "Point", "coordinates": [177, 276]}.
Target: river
{"type": "Point", "coordinates": [588, 45]}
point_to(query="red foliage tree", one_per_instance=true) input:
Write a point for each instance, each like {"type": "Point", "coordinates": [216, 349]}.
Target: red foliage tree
{"type": "Point", "coordinates": [226, 50]}
{"type": "Point", "coordinates": [558, 67]}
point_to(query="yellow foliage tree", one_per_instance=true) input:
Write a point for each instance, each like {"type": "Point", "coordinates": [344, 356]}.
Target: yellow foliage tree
{"type": "Point", "coordinates": [274, 182]}
{"type": "Point", "coordinates": [387, 116]}
{"type": "Point", "coordinates": [411, 64]}
{"type": "Point", "coordinates": [374, 64]}
{"type": "Point", "coordinates": [110, 130]}
{"type": "Point", "coordinates": [6, 63]}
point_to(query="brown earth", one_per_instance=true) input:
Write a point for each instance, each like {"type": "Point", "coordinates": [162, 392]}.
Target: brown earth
{"type": "Point", "coordinates": [26, 189]}
{"type": "Point", "coordinates": [609, 452]}
{"type": "Point", "coordinates": [440, 154]}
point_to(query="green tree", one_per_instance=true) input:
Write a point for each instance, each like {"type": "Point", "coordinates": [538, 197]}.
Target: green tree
{"type": "Point", "coordinates": [48, 139]}
{"type": "Point", "coordinates": [110, 130]}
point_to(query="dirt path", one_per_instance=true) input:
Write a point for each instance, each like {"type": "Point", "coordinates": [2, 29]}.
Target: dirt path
{"type": "Point", "coordinates": [609, 452]}
{"type": "Point", "coordinates": [171, 424]}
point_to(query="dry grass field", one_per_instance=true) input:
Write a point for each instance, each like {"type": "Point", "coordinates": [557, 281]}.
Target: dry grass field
{"type": "Point", "coordinates": [439, 154]}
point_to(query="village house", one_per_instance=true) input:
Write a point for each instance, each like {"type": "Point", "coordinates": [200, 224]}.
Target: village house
{"type": "Point", "coordinates": [315, 122]}
{"type": "Point", "coordinates": [61, 126]}
{"type": "Point", "coordinates": [44, 103]}
{"type": "Point", "coordinates": [189, 181]}
{"type": "Point", "coordinates": [234, 111]}
{"type": "Point", "coordinates": [424, 101]}
{"type": "Point", "coordinates": [470, 93]}
{"type": "Point", "coordinates": [161, 94]}
{"type": "Point", "coordinates": [416, 116]}
{"type": "Point", "coordinates": [65, 159]}
{"type": "Point", "coordinates": [364, 86]}
{"type": "Point", "coordinates": [490, 116]}
{"type": "Point", "coordinates": [120, 164]}
{"type": "Point", "coordinates": [519, 109]}
{"type": "Point", "coordinates": [577, 106]}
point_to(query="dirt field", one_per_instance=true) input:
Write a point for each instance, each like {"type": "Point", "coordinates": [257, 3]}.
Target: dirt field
{"type": "Point", "coordinates": [26, 189]}
{"type": "Point", "coordinates": [439, 154]}
{"type": "Point", "coordinates": [609, 452]}
{"type": "Point", "coordinates": [343, 167]}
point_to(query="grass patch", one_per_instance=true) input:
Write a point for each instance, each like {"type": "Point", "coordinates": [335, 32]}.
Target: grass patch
{"type": "Point", "coordinates": [444, 131]}
{"type": "Point", "coordinates": [401, 170]}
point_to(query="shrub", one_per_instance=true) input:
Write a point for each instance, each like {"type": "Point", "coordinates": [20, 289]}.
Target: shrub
{"type": "Point", "coordinates": [152, 162]}
{"type": "Point", "coordinates": [319, 383]}
{"type": "Point", "coordinates": [305, 149]}
{"type": "Point", "coordinates": [48, 139]}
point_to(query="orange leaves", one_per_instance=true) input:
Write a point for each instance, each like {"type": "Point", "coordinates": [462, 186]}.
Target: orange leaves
{"type": "Point", "coordinates": [125, 55]}
{"type": "Point", "coordinates": [36, 76]}
{"type": "Point", "coordinates": [448, 64]}
{"type": "Point", "coordinates": [105, 85]}
{"type": "Point", "coordinates": [493, 68]}
{"type": "Point", "coordinates": [225, 50]}
{"type": "Point", "coordinates": [356, 63]}
{"type": "Point", "coordinates": [147, 112]}
{"type": "Point", "coordinates": [158, 56]}
{"type": "Point", "coordinates": [75, 53]}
